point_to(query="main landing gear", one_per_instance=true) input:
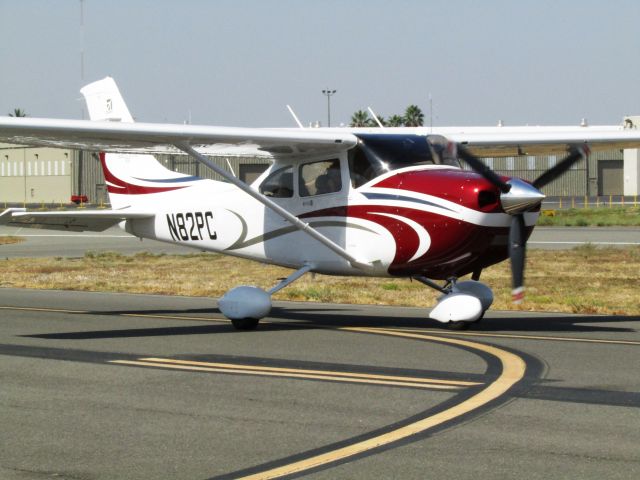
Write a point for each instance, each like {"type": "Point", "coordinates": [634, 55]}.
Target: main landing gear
{"type": "Point", "coordinates": [246, 305]}
{"type": "Point", "coordinates": [461, 303]}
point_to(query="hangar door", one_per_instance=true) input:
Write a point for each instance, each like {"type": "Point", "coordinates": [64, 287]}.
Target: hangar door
{"type": "Point", "coordinates": [610, 177]}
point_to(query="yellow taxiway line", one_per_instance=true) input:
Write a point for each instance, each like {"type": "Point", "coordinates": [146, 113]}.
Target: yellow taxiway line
{"type": "Point", "coordinates": [135, 315]}
{"type": "Point", "coordinates": [524, 337]}
{"type": "Point", "coordinates": [175, 317]}
{"type": "Point", "coordinates": [35, 309]}
{"type": "Point", "coordinates": [513, 370]}
{"type": "Point", "coordinates": [371, 379]}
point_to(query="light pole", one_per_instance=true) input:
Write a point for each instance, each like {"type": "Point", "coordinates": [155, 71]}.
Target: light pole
{"type": "Point", "coordinates": [328, 93]}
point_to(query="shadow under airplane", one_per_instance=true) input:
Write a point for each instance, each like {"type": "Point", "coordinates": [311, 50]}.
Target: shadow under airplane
{"type": "Point", "coordinates": [333, 316]}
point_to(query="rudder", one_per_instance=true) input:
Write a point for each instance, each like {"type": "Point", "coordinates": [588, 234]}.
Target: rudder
{"type": "Point", "coordinates": [130, 178]}
{"type": "Point", "coordinates": [104, 101]}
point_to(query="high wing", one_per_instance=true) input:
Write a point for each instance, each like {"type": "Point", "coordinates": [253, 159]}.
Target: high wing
{"type": "Point", "coordinates": [513, 141]}
{"type": "Point", "coordinates": [109, 136]}
{"type": "Point", "coordinates": [72, 220]}
{"type": "Point", "coordinates": [162, 138]}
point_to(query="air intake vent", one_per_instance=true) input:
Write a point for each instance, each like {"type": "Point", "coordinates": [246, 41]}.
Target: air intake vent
{"type": "Point", "coordinates": [486, 198]}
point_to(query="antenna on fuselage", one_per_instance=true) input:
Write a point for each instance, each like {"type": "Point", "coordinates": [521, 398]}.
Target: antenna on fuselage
{"type": "Point", "coordinates": [231, 168]}
{"type": "Point", "coordinates": [375, 117]}
{"type": "Point", "coordinates": [295, 117]}
{"type": "Point", "coordinates": [430, 113]}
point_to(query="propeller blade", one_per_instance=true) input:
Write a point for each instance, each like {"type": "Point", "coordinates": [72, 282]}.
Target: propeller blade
{"type": "Point", "coordinates": [479, 167]}
{"type": "Point", "coordinates": [517, 253]}
{"type": "Point", "coordinates": [565, 164]}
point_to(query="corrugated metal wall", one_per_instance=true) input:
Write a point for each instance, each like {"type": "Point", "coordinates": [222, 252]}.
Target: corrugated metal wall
{"type": "Point", "coordinates": [581, 179]}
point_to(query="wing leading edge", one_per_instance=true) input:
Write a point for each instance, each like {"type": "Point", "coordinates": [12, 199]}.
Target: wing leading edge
{"type": "Point", "coordinates": [514, 141]}
{"type": "Point", "coordinates": [162, 138]}
{"type": "Point", "coordinates": [156, 138]}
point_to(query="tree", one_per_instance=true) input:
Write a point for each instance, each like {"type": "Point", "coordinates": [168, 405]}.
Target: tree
{"type": "Point", "coordinates": [395, 121]}
{"type": "Point", "coordinates": [360, 119]}
{"type": "Point", "coordinates": [17, 112]}
{"type": "Point", "coordinates": [413, 116]}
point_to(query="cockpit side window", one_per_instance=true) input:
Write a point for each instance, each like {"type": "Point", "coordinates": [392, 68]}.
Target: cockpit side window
{"type": "Point", "coordinates": [318, 178]}
{"type": "Point", "coordinates": [361, 168]}
{"type": "Point", "coordinates": [279, 184]}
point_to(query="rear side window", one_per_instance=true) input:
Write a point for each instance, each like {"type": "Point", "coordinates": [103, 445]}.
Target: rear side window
{"type": "Point", "coordinates": [318, 178]}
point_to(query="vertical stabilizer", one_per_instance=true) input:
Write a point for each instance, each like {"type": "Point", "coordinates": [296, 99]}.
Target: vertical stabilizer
{"type": "Point", "coordinates": [131, 179]}
{"type": "Point", "coordinates": [104, 101]}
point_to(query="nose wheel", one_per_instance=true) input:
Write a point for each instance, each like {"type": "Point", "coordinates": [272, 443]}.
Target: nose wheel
{"type": "Point", "coordinates": [458, 326]}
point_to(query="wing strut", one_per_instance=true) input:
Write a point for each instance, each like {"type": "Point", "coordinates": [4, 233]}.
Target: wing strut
{"type": "Point", "coordinates": [299, 224]}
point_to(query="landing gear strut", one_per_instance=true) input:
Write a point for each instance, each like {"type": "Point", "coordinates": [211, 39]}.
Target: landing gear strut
{"type": "Point", "coordinates": [461, 303]}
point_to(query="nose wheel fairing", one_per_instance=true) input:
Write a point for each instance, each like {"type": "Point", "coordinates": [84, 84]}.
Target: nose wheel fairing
{"type": "Point", "coordinates": [461, 303]}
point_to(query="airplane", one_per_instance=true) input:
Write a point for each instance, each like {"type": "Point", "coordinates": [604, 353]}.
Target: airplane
{"type": "Point", "coordinates": [392, 202]}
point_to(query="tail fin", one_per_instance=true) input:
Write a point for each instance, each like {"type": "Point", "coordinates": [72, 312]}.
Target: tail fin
{"type": "Point", "coordinates": [131, 179]}
{"type": "Point", "coordinates": [104, 101]}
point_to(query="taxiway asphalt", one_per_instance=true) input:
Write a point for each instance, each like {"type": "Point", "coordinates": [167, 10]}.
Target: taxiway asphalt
{"type": "Point", "coordinates": [103, 386]}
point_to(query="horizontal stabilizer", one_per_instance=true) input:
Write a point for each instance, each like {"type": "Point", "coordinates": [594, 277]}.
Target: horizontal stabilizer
{"type": "Point", "coordinates": [70, 220]}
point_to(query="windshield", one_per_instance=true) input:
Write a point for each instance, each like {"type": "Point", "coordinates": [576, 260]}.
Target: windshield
{"type": "Point", "coordinates": [443, 150]}
{"type": "Point", "coordinates": [377, 154]}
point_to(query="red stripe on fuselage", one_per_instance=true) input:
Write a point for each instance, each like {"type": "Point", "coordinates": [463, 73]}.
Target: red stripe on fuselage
{"type": "Point", "coordinates": [117, 185]}
{"type": "Point", "coordinates": [457, 247]}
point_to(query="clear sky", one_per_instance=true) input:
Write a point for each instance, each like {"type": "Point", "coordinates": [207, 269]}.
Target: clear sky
{"type": "Point", "coordinates": [239, 62]}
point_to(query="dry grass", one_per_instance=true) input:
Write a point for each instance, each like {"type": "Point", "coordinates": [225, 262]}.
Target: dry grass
{"type": "Point", "coordinates": [584, 280]}
{"type": "Point", "coordinates": [8, 239]}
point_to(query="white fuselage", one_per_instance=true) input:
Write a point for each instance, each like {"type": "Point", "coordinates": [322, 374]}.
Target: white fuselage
{"type": "Point", "coordinates": [215, 216]}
